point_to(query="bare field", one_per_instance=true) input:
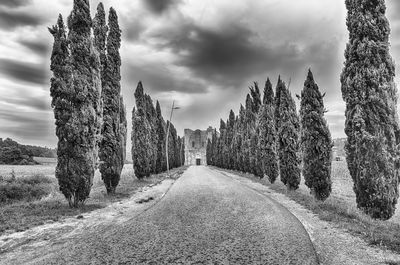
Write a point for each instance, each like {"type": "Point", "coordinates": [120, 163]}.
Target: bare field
{"type": "Point", "coordinates": [20, 171]}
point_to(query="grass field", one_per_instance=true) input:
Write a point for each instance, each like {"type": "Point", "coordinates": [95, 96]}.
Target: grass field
{"type": "Point", "coordinates": [340, 208]}
{"type": "Point", "coordinates": [22, 215]}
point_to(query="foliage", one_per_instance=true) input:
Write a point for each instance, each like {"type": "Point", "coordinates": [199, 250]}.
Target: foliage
{"type": "Point", "coordinates": [111, 147]}
{"type": "Point", "coordinates": [372, 126]}
{"type": "Point", "coordinates": [75, 90]}
{"type": "Point", "coordinates": [288, 139]}
{"type": "Point", "coordinates": [316, 142]}
{"type": "Point", "coordinates": [27, 151]}
{"type": "Point", "coordinates": [149, 132]}
{"type": "Point", "coordinates": [24, 188]}
{"type": "Point", "coordinates": [267, 143]}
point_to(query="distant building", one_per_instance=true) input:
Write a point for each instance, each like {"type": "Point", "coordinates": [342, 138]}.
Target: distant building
{"type": "Point", "coordinates": [196, 146]}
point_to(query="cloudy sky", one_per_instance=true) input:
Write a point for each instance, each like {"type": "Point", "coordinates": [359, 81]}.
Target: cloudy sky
{"type": "Point", "coordinates": [204, 54]}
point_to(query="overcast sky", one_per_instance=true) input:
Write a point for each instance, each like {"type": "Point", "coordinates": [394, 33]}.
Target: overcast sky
{"type": "Point", "coordinates": [204, 54]}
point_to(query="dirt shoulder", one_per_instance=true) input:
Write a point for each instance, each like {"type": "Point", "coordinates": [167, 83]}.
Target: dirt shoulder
{"type": "Point", "coordinates": [22, 247]}
{"type": "Point", "coordinates": [333, 244]}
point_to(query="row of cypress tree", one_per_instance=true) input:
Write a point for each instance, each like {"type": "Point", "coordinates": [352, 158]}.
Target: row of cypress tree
{"type": "Point", "coordinates": [88, 108]}
{"type": "Point", "coordinates": [268, 138]}
{"type": "Point", "coordinates": [149, 135]}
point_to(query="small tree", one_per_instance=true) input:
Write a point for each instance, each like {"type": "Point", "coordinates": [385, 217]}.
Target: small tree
{"type": "Point", "coordinates": [315, 141]}
{"type": "Point", "coordinates": [288, 140]}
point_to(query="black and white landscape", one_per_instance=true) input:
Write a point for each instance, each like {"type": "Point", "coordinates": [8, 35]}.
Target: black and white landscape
{"type": "Point", "coordinates": [199, 132]}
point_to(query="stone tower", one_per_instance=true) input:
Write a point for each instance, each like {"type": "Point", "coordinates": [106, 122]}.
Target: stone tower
{"type": "Point", "coordinates": [196, 145]}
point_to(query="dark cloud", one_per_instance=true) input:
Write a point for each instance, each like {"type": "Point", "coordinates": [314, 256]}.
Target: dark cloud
{"type": "Point", "coordinates": [14, 3]}
{"type": "Point", "coordinates": [157, 78]}
{"type": "Point", "coordinates": [132, 27]}
{"type": "Point", "coordinates": [160, 6]}
{"type": "Point", "coordinates": [37, 46]}
{"type": "Point", "coordinates": [24, 71]}
{"type": "Point", "coordinates": [232, 55]}
{"type": "Point", "coordinates": [11, 19]}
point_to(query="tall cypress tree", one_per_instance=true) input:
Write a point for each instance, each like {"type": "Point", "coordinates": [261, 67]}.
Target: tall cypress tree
{"type": "Point", "coordinates": [315, 141]}
{"type": "Point", "coordinates": [110, 149]}
{"type": "Point", "coordinates": [268, 93]}
{"type": "Point", "coordinates": [141, 142]}
{"type": "Point", "coordinates": [62, 106]}
{"type": "Point", "coordinates": [229, 140]}
{"type": "Point", "coordinates": [161, 163]}
{"type": "Point", "coordinates": [267, 137]}
{"type": "Point", "coordinates": [123, 130]}
{"type": "Point", "coordinates": [279, 87]}
{"type": "Point", "coordinates": [208, 152]}
{"type": "Point", "coordinates": [372, 125]}
{"type": "Point", "coordinates": [100, 30]}
{"type": "Point", "coordinates": [288, 140]}
{"type": "Point", "coordinates": [76, 100]}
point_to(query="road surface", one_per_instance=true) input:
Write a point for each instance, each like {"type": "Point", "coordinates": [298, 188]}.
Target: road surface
{"type": "Point", "coordinates": [205, 218]}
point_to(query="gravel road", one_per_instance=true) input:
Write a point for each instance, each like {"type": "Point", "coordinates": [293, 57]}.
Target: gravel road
{"type": "Point", "coordinates": [205, 218]}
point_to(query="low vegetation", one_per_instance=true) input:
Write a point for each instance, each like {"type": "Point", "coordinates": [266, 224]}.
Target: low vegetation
{"type": "Point", "coordinates": [27, 189]}
{"type": "Point", "coordinates": [44, 203]}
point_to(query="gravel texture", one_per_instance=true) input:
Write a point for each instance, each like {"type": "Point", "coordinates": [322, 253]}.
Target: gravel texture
{"type": "Point", "coordinates": [205, 218]}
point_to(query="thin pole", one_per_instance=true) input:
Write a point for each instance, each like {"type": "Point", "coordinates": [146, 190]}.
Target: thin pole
{"type": "Point", "coordinates": [166, 141]}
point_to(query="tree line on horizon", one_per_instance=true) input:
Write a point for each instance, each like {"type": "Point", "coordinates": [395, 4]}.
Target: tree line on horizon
{"type": "Point", "coordinates": [14, 153]}
{"type": "Point", "coordinates": [267, 138]}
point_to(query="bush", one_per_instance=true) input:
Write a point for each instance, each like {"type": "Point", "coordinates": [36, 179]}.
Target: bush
{"type": "Point", "coordinates": [25, 188]}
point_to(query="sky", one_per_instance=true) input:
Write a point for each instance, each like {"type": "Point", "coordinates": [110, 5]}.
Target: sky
{"type": "Point", "coordinates": [202, 54]}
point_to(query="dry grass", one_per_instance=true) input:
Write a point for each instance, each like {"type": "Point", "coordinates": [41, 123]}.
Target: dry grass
{"type": "Point", "coordinates": [340, 208]}
{"type": "Point", "coordinates": [26, 214]}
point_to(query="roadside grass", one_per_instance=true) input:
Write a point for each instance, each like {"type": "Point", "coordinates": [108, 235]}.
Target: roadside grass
{"type": "Point", "coordinates": [20, 215]}
{"type": "Point", "coordinates": [24, 189]}
{"type": "Point", "coordinates": [340, 209]}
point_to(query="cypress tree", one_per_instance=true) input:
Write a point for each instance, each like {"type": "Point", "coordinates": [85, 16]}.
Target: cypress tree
{"type": "Point", "coordinates": [141, 142]}
{"type": "Point", "coordinates": [141, 153]}
{"type": "Point", "coordinates": [76, 101]}
{"type": "Point", "coordinates": [267, 137]}
{"type": "Point", "coordinates": [123, 130]}
{"type": "Point", "coordinates": [315, 141]}
{"type": "Point", "coordinates": [288, 140]}
{"type": "Point", "coordinates": [372, 125]}
{"type": "Point", "coordinates": [279, 87]}
{"type": "Point", "coordinates": [62, 105]}
{"type": "Point", "coordinates": [229, 141]}
{"type": "Point", "coordinates": [161, 163]}
{"type": "Point", "coordinates": [268, 93]}
{"type": "Point", "coordinates": [256, 98]}
{"type": "Point", "coordinates": [100, 30]}
{"type": "Point", "coordinates": [208, 152]}
{"type": "Point", "coordinates": [110, 149]}
{"type": "Point", "coordinates": [183, 151]}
